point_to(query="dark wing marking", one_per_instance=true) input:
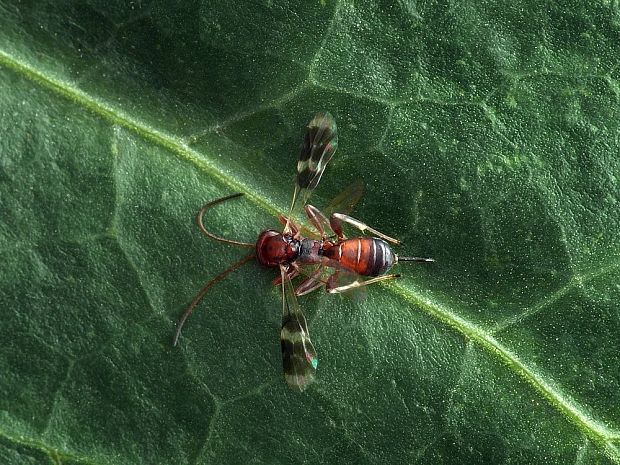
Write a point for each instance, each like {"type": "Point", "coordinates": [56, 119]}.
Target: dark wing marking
{"type": "Point", "coordinates": [299, 358]}
{"type": "Point", "coordinates": [320, 143]}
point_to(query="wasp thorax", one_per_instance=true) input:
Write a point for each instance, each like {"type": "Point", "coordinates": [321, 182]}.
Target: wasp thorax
{"type": "Point", "coordinates": [274, 249]}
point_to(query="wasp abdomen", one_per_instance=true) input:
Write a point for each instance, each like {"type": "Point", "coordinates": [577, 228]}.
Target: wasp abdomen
{"type": "Point", "coordinates": [367, 256]}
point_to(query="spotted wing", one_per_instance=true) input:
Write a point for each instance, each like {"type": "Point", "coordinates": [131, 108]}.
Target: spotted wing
{"type": "Point", "coordinates": [320, 143]}
{"type": "Point", "coordinates": [299, 358]}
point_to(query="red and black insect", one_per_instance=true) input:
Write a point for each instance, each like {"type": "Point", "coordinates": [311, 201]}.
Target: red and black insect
{"type": "Point", "coordinates": [327, 260]}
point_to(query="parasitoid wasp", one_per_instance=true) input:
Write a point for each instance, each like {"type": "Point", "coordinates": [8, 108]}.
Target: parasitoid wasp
{"type": "Point", "coordinates": [330, 260]}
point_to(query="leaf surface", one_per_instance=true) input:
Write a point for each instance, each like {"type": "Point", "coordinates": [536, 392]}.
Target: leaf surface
{"type": "Point", "coordinates": [487, 135]}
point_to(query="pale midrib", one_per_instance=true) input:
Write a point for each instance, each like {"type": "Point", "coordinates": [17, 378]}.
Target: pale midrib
{"type": "Point", "coordinates": [120, 118]}
{"type": "Point", "coordinates": [567, 406]}
{"type": "Point", "coordinates": [593, 429]}
{"type": "Point", "coordinates": [55, 455]}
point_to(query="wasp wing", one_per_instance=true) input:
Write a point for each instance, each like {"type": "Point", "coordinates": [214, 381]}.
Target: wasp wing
{"type": "Point", "coordinates": [345, 201]}
{"type": "Point", "coordinates": [318, 147]}
{"type": "Point", "coordinates": [345, 278]}
{"type": "Point", "coordinates": [299, 358]}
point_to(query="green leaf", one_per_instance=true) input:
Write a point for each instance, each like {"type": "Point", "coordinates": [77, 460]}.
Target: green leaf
{"type": "Point", "coordinates": [487, 135]}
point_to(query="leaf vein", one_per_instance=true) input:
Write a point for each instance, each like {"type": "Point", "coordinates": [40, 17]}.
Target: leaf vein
{"type": "Point", "coordinates": [598, 433]}
{"type": "Point", "coordinates": [57, 396]}
{"type": "Point", "coordinates": [275, 103]}
{"type": "Point", "coordinates": [55, 455]}
{"type": "Point", "coordinates": [576, 281]}
{"type": "Point", "coordinates": [321, 46]}
{"type": "Point", "coordinates": [115, 115]}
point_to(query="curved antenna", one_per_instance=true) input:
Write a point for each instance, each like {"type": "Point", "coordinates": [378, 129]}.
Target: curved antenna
{"type": "Point", "coordinates": [201, 213]}
{"type": "Point", "coordinates": [203, 291]}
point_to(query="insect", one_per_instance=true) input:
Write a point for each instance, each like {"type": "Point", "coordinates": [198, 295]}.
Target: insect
{"type": "Point", "coordinates": [327, 260]}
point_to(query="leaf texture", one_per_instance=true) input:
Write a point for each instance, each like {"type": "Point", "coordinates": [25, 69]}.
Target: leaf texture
{"type": "Point", "coordinates": [487, 136]}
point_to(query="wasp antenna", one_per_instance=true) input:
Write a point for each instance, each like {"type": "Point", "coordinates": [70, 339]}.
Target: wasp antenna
{"type": "Point", "coordinates": [210, 234]}
{"type": "Point", "coordinates": [203, 291]}
{"type": "Point", "coordinates": [415, 259]}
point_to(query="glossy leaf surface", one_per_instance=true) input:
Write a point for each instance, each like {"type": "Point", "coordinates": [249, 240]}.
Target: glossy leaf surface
{"type": "Point", "coordinates": [487, 135]}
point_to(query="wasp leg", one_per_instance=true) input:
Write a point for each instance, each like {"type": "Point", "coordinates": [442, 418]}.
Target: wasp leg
{"type": "Point", "coordinates": [292, 273]}
{"type": "Point", "coordinates": [337, 219]}
{"type": "Point", "coordinates": [288, 225]}
{"type": "Point", "coordinates": [308, 285]}
{"type": "Point", "coordinates": [311, 283]}
{"type": "Point", "coordinates": [317, 219]}
{"type": "Point", "coordinates": [332, 286]}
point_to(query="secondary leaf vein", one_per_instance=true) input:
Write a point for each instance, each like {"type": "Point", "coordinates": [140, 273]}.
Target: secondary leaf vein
{"type": "Point", "coordinates": [576, 281]}
{"type": "Point", "coordinates": [597, 432]}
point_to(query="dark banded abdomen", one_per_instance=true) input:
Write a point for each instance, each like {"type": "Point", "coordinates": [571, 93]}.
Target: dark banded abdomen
{"type": "Point", "coordinates": [366, 256]}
